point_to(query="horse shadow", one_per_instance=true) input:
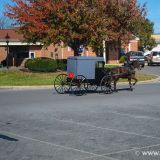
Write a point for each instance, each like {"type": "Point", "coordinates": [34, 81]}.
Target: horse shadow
{"type": "Point", "coordinates": [124, 89]}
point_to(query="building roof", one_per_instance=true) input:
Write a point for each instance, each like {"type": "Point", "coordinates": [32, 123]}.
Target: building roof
{"type": "Point", "coordinates": [15, 38]}
{"type": "Point", "coordinates": [13, 35]}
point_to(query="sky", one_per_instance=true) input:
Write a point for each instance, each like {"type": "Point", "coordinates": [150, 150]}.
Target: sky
{"type": "Point", "coordinates": [153, 11]}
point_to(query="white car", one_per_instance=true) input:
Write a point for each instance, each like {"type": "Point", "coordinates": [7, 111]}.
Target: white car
{"type": "Point", "coordinates": [154, 58]}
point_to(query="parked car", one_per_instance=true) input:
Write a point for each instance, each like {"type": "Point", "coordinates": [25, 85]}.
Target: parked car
{"type": "Point", "coordinates": [146, 55]}
{"type": "Point", "coordinates": [154, 58]}
{"type": "Point", "coordinates": [136, 55]}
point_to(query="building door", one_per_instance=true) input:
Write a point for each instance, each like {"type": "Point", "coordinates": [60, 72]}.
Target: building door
{"type": "Point", "coordinates": [31, 55]}
{"type": "Point", "coordinates": [19, 54]}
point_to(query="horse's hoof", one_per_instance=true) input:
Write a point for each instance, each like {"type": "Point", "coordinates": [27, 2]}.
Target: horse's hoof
{"type": "Point", "coordinates": [131, 89]}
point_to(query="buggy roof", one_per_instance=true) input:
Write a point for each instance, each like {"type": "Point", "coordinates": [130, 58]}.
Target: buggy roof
{"type": "Point", "coordinates": [86, 58]}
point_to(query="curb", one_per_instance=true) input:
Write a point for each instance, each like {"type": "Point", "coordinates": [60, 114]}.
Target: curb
{"type": "Point", "coordinates": [26, 87]}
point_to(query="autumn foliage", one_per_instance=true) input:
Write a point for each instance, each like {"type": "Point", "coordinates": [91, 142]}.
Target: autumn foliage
{"type": "Point", "coordinates": [77, 22]}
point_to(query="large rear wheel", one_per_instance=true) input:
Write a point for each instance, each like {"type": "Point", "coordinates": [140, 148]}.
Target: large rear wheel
{"type": "Point", "coordinates": [62, 83]}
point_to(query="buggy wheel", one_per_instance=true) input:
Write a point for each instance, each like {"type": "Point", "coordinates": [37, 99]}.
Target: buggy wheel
{"type": "Point", "coordinates": [79, 85]}
{"type": "Point", "coordinates": [61, 83]}
{"type": "Point", "coordinates": [107, 85]}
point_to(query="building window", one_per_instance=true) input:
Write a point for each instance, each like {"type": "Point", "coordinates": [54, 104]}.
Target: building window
{"type": "Point", "coordinates": [69, 49]}
{"type": "Point", "coordinates": [56, 55]}
{"type": "Point", "coordinates": [52, 54]}
{"type": "Point", "coordinates": [31, 55]}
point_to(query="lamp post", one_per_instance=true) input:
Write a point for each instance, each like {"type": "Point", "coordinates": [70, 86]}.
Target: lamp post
{"type": "Point", "coordinates": [7, 37]}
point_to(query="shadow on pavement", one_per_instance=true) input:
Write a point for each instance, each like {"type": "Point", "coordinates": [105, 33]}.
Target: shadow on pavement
{"type": "Point", "coordinates": [7, 138]}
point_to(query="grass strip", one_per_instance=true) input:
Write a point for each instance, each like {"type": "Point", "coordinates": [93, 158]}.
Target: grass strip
{"type": "Point", "coordinates": [21, 78]}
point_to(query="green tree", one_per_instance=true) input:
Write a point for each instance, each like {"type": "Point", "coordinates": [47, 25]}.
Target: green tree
{"type": "Point", "coordinates": [146, 30]}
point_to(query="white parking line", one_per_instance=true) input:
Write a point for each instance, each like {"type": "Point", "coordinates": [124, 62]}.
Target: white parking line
{"type": "Point", "coordinates": [133, 149]}
{"type": "Point", "coordinates": [87, 158]}
{"type": "Point", "coordinates": [133, 116]}
{"type": "Point", "coordinates": [60, 146]}
{"type": "Point", "coordinates": [110, 129]}
{"type": "Point", "coordinates": [106, 128]}
{"type": "Point", "coordinates": [122, 151]}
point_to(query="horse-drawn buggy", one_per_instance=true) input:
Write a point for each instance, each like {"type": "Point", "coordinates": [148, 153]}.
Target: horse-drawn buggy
{"type": "Point", "coordinates": [84, 74]}
{"type": "Point", "coordinates": [87, 74]}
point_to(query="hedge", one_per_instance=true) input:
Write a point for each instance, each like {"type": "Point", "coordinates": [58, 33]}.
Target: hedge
{"type": "Point", "coordinates": [62, 64]}
{"type": "Point", "coordinates": [41, 64]}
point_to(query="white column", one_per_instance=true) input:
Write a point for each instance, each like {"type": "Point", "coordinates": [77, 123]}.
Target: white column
{"type": "Point", "coordinates": [104, 51]}
{"type": "Point", "coordinates": [62, 49]}
{"type": "Point", "coordinates": [129, 47]}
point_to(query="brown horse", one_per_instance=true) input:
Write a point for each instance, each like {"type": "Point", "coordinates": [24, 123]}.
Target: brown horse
{"type": "Point", "coordinates": [127, 71]}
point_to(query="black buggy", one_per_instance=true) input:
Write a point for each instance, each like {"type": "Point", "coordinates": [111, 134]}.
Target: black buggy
{"type": "Point", "coordinates": [84, 74]}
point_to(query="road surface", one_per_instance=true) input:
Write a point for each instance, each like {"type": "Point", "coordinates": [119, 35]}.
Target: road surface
{"type": "Point", "coordinates": [42, 125]}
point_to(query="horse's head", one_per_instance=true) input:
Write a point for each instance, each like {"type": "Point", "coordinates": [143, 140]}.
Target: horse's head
{"type": "Point", "coordinates": [136, 65]}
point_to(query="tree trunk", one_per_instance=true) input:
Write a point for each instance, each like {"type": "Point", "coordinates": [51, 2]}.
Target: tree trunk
{"type": "Point", "coordinates": [76, 51]}
{"type": "Point", "coordinates": [75, 46]}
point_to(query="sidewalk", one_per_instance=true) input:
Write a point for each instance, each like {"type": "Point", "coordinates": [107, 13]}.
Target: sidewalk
{"type": "Point", "coordinates": [27, 87]}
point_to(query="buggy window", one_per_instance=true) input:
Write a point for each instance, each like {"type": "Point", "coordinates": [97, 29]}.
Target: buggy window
{"type": "Point", "coordinates": [100, 64]}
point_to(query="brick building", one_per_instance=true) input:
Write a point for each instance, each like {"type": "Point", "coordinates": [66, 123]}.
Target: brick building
{"type": "Point", "coordinates": [19, 51]}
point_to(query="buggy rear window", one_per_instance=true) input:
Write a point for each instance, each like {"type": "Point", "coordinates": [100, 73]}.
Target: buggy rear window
{"type": "Point", "coordinates": [100, 64]}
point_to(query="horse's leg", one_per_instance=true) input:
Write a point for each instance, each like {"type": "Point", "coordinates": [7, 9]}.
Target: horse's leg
{"type": "Point", "coordinates": [115, 84]}
{"type": "Point", "coordinates": [135, 80]}
{"type": "Point", "coordinates": [130, 84]}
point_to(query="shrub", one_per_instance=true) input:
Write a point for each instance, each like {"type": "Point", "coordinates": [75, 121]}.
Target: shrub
{"type": "Point", "coordinates": [62, 64]}
{"type": "Point", "coordinates": [26, 63]}
{"type": "Point", "coordinates": [41, 64]}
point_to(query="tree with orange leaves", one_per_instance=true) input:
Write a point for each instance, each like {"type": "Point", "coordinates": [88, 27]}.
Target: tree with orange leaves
{"type": "Point", "coordinates": [77, 22]}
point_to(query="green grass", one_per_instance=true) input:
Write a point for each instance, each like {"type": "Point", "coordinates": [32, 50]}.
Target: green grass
{"type": "Point", "coordinates": [112, 65]}
{"type": "Point", "coordinates": [21, 78]}
{"type": "Point", "coordinates": [144, 77]}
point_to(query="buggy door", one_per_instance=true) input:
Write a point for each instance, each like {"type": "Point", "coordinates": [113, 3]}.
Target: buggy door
{"type": "Point", "coordinates": [99, 71]}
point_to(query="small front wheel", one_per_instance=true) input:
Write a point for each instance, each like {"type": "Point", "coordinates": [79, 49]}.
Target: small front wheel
{"type": "Point", "coordinates": [61, 83]}
{"type": "Point", "coordinates": [79, 85]}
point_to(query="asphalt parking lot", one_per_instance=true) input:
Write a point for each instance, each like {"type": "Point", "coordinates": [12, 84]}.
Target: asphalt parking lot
{"type": "Point", "coordinates": [42, 125]}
